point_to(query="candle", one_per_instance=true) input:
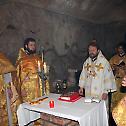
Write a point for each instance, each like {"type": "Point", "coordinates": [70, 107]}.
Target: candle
{"type": "Point", "coordinates": [42, 57]}
{"type": "Point", "coordinates": [45, 67]}
{"type": "Point", "coordinates": [39, 68]}
{"type": "Point", "coordinates": [51, 104]}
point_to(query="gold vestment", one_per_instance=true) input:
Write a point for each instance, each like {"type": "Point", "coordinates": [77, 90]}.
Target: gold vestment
{"type": "Point", "coordinates": [30, 84]}
{"type": "Point", "coordinates": [6, 67]}
{"type": "Point", "coordinates": [119, 113]}
{"type": "Point", "coordinates": [120, 72]}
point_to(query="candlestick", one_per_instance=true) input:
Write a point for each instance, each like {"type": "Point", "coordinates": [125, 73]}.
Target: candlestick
{"type": "Point", "coordinates": [39, 68]}
{"type": "Point", "coordinates": [51, 104]}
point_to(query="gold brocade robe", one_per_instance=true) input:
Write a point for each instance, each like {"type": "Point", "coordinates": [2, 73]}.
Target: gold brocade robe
{"type": "Point", "coordinates": [30, 85]}
{"type": "Point", "coordinates": [3, 107]}
{"type": "Point", "coordinates": [119, 113]}
{"type": "Point", "coordinates": [7, 67]}
{"type": "Point", "coordinates": [119, 74]}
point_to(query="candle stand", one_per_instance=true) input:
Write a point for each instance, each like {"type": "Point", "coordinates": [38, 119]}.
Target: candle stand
{"type": "Point", "coordinates": [43, 78]}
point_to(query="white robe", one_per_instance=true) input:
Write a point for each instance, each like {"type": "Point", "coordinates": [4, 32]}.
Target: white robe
{"type": "Point", "coordinates": [97, 77]}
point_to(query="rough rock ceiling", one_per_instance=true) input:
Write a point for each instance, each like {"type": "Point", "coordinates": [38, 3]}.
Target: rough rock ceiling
{"type": "Point", "coordinates": [96, 11]}
{"type": "Point", "coordinates": [2, 2]}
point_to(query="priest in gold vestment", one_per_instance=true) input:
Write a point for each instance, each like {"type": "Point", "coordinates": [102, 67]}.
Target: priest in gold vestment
{"type": "Point", "coordinates": [119, 112]}
{"type": "Point", "coordinates": [118, 64]}
{"type": "Point", "coordinates": [28, 64]}
{"type": "Point", "coordinates": [7, 68]}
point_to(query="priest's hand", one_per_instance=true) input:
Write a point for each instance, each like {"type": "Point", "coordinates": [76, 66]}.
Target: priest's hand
{"type": "Point", "coordinates": [104, 96]}
{"type": "Point", "coordinates": [81, 91]}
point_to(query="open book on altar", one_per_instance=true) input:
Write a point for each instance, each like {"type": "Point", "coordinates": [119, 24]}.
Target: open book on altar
{"type": "Point", "coordinates": [70, 97]}
{"type": "Point", "coordinates": [91, 99]}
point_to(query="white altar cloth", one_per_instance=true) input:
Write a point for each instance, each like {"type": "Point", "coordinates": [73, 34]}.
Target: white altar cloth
{"type": "Point", "coordinates": [87, 114]}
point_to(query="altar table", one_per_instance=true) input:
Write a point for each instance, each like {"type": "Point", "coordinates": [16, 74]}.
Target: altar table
{"type": "Point", "coordinates": [87, 114]}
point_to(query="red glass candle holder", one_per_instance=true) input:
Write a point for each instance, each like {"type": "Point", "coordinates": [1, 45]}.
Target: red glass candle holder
{"type": "Point", "coordinates": [51, 104]}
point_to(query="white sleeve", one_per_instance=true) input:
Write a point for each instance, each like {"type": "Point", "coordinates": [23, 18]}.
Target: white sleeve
{"type": "Point", "coordinates": [82, 78]}
{"type": "Point", "coordinates": [109, 79]}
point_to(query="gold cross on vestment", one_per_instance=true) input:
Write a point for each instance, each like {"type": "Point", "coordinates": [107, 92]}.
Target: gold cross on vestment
{"type": "Point", "coordinates": [87, 67]}
{"type": "Point", "coordinates": [99, 67]}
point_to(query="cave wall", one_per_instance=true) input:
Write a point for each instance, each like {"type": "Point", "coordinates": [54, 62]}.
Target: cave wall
{"type": "Point", "coordinates": [63, 37]}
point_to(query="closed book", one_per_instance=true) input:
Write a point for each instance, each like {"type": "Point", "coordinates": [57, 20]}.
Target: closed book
{"type": "Point", "coordinates": [70, 96]}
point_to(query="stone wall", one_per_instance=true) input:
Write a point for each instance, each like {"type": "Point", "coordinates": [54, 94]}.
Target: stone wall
{"type": "Point", "coordinates": [64, 38]}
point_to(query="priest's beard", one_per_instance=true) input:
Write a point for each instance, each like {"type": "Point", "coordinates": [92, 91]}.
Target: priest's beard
{"type": "Point", "coordinates": [93, 56]}
{"type": "Point", "coordinates": [29, 51]}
